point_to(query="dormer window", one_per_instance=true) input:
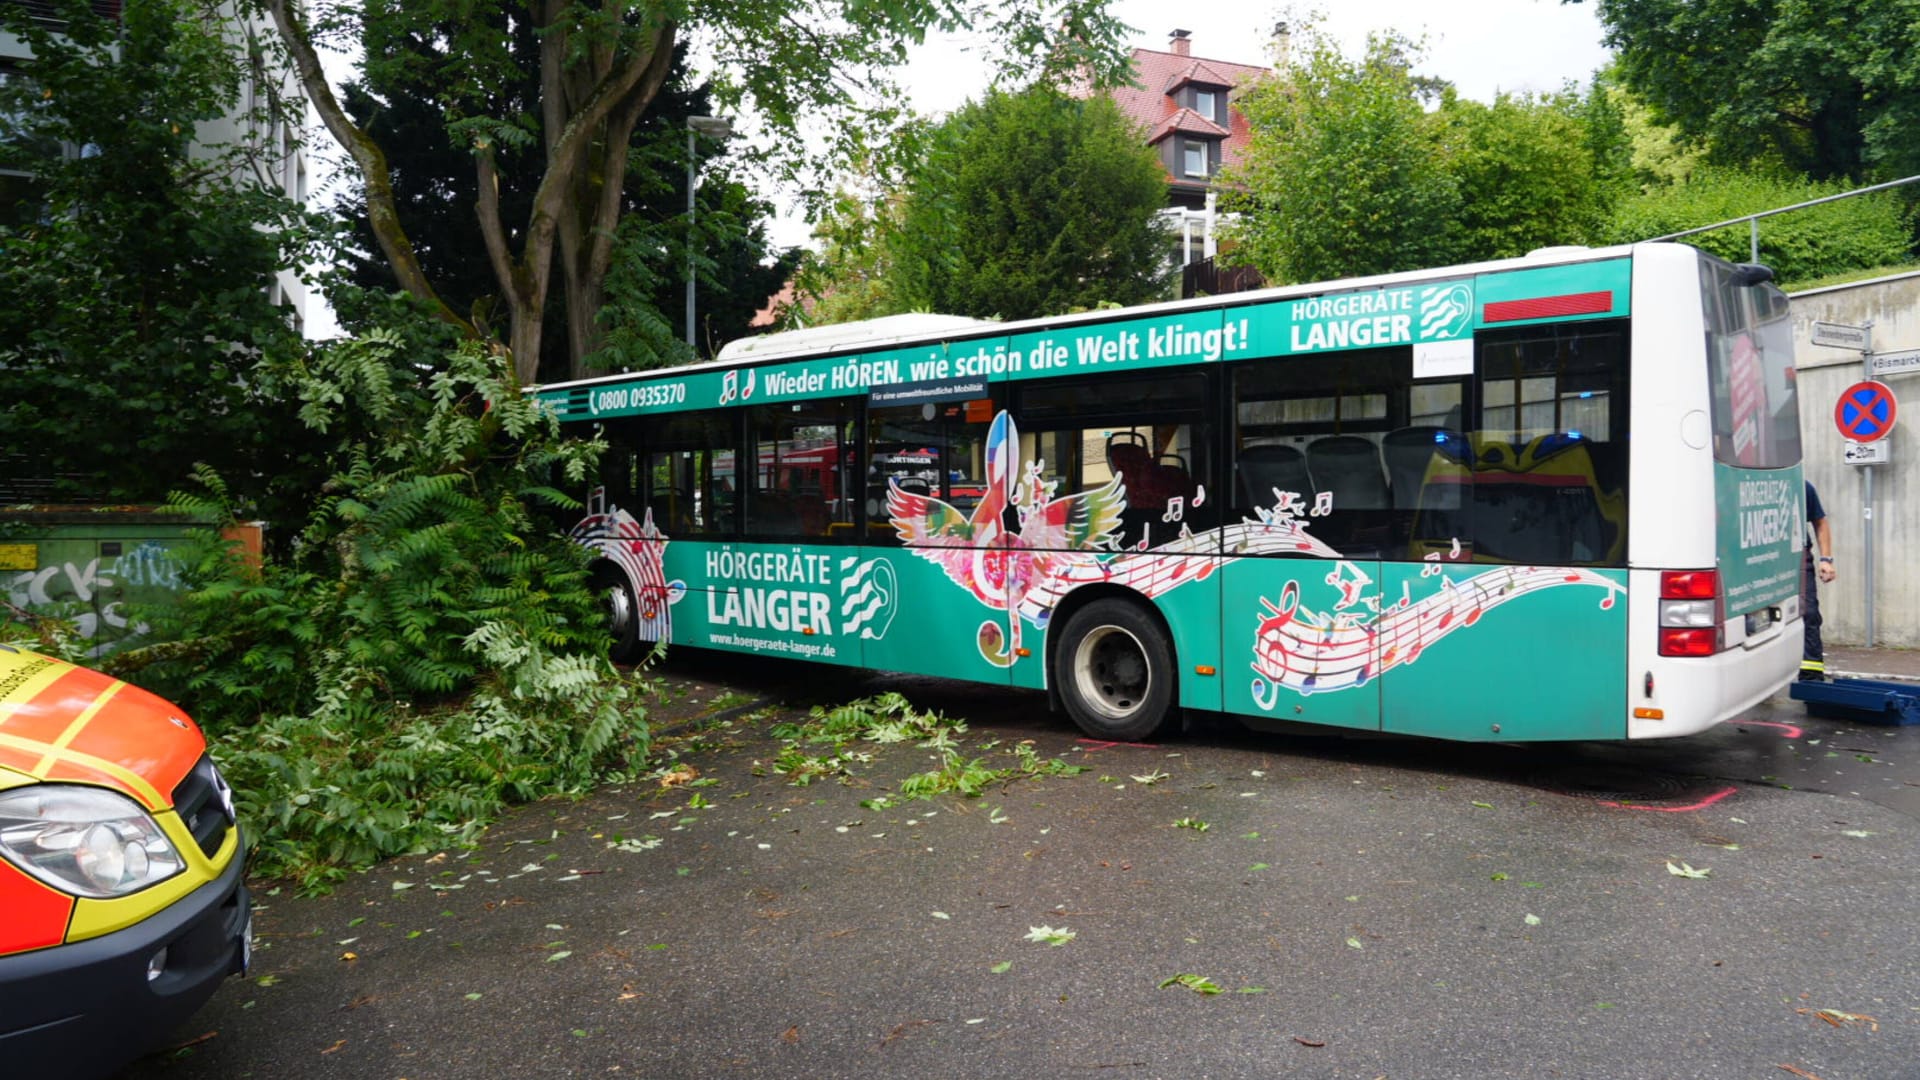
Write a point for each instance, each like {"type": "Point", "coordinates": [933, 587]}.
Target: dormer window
{"type": "Point", "coordinates": [1203, 103]}
{"type": "Point", "coordinates": [1194, 152]}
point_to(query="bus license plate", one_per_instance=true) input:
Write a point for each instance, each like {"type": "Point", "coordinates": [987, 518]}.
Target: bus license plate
{"type": "Point", "coordinates": [1759, 621]}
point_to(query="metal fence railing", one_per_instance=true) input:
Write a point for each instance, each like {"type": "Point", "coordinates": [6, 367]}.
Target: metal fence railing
{"type": "Point", "coordinates": [1753, 220]}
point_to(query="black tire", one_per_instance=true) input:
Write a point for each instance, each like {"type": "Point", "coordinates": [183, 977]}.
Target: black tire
{"type": "Point", "coordinates": [1114, 670]}
{"type": "Point", "coordinates": [623, 615]}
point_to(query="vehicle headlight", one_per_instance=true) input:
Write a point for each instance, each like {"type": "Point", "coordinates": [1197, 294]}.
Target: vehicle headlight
{"type": "Point", "coordinates": [85, 841]}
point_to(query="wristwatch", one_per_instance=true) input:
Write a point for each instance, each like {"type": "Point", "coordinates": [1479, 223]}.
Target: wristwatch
{"type": "Point", "coordinates": [1826, 558]}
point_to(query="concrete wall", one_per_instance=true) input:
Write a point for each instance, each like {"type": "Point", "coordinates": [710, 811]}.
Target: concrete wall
{"type": "Point", "coordinates": [1892, 306]}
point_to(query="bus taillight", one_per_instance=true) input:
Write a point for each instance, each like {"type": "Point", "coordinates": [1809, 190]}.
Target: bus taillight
{"type": "Point", "coordinates": [1690, 612]}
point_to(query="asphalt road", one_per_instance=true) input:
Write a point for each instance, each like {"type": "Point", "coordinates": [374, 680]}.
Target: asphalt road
{"type": "Point", "coordinates": [1366, 908]}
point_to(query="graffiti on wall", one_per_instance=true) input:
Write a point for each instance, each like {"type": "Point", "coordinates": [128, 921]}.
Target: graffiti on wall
{"type": "Point", "coordinates": [95, 593]}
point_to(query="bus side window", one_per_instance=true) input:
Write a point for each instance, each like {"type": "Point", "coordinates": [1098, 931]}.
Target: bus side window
{"type": "Point", "coordinates": [795, 488]}
{"type": "Point", "coordinates": [1142, 442]}
{"type": "Point", "coordinates": [1308, 447]}
{"type": "Point", "coordinates": [933, 455]}
{"type": "Point", "coordinates": [688, 473]}
{"type": "Point", "coordinates": [1549, 483]}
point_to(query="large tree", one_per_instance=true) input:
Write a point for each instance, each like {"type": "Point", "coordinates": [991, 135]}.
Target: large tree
{"type": "Point", "coordinates": [601, 65]}
{"type": "Point", "coordinates": [435, 191]}
{"type": "Point", "coordinates": [1533, 171]}
{"type": "Point", "coordinates": [1032, 203]}
{"type": "Point", "coordinates": [1830, 89]}
{"type": "Point", "coordinates": [137, 267]}
{"type": "Point", "coordinates": [1352, 168]}
{"type": "Point", "coordinates": [1346, 172]}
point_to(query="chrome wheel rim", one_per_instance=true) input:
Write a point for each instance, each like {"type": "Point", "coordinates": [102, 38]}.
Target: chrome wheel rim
{"type": "Point", "coordinates": [619, 603]}
{"type": "Point", "coordinates": [1111, 672]}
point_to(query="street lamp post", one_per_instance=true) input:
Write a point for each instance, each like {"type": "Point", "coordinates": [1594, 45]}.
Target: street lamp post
{"type": "Point", "coordinates": [718, 127]}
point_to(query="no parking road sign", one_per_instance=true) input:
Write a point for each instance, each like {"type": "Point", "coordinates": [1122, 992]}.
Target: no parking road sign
{"type": "Point", "coordinates": [1866, 411]}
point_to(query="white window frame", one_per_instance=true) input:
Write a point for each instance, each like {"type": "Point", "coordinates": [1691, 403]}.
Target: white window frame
{"type": "Point", "coordinates": [1190, 147]}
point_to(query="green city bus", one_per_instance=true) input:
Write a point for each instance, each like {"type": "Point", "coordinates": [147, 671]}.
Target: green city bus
{"type": "Point", "coordinates": [1553, 497]}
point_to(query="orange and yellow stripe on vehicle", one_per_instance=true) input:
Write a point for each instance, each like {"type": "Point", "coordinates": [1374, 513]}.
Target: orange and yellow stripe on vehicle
{"type": "Point", "coordinates": [49, 730]}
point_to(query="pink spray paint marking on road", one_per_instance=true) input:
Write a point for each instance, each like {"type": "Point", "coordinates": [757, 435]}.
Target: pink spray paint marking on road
{"type": "Point", "coordinates": [1787, 731]}
{"type": "Point", "coordinates": [1688, 809]}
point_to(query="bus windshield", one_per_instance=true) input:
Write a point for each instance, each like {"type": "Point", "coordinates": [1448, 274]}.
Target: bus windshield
{"type": "Point", "coordinates": [1756, 411]}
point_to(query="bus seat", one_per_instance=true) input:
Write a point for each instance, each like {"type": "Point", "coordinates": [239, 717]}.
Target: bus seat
{"type": "Point", "coordinates": [1349, 467]}
{"type": "Point", "coordinates": [1132, 462]}
{"type": "Point", "coordinates": [1270, 467]}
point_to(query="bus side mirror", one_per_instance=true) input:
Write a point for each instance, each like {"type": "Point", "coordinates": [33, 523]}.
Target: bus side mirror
{"type": "Point", "coordinates": [1747, 275]}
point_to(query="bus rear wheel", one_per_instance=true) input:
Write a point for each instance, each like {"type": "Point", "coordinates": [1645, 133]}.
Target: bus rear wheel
{"type": "Point", "coordinates": [623, 615]}
{"type": "Point", "coordinates": [1115, 671]}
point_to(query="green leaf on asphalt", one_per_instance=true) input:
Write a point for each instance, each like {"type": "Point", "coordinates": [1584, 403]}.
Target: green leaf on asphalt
{"type": "Point", "coordinates": [579, 1033]}
{"type": "Point", "coordinates": [1251, 990]}
{"type": "Point", "coordinates": [1499, 877]}
{"type": "Point", "coordinates": [1258, 866]}
{"type": "Point", "coordinates": [1050, 935]}
{"type": "Point", "coordinates": [1199, 984]}
{"type": "Point", "coordinates": [474, 997]}
{"type": "Point", "coordinates": [1860, 833]}
{"type": "Point", "coordinates": [1483, 805]}
{"type": "Point", "coordinates": [1686, 871]}
{"type": "Point", "coordinates": [351, 923]}
{"type": "Point", "coordinates": [1002, 967]}
{"type": "Point", "coordinates": [1533, 920]}
{"type": "Point", "coordinates": [1192, 823]}
{"type": "Point", "coordinates": [561, 955]}
{"type": "Point", "coordinates": [1354, 943]}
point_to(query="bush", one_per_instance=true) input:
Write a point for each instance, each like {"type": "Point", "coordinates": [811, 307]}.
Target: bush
{"type": "Point", "coordinates": [1850, 234]}
{"type": "Point", "coordinates": [430, 650]}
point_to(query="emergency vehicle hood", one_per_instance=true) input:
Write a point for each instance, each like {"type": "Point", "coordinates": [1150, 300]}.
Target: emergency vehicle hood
{"type": "Point", "coordinates": [51, 730]}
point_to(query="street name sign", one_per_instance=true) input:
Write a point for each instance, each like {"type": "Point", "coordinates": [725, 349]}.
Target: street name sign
{"type": "Point", "coordinates": [1840, 335]}
{"type": "Point", "coordinates": [1896, 363]}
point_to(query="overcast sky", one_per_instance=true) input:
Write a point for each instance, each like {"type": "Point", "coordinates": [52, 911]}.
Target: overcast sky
{"type": "Point", "coordinates": [1481, 47]}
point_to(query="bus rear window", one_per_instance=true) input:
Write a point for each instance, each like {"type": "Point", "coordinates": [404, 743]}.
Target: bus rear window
{"type": "Point", "coordinates": [1756, 409]}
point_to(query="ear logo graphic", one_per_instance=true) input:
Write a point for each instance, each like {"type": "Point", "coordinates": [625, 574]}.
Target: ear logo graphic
{"type": "Point", "coordinates": [1446, 312]}
{"type": "Point", "coordinates": [869, 597]}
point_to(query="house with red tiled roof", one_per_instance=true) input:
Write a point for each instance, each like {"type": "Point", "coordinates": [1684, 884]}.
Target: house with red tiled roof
{"type": "Point", "coordinates": [1184, 103]}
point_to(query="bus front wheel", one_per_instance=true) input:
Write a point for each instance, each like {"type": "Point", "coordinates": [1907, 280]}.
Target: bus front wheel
{"type": "Point", "coordinates": [1115, 671]}
{"type": "Point", "coordinates": [623, 615]}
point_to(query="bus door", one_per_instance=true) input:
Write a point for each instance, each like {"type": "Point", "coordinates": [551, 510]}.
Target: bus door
{"type": "Point", "coordinates": [1505, 597]}
{"type": "Point", "coordinates": [1311, 511]}
{"type": "Point", "coordinates": [928, 591]}
{"type": "Point", "coordinates": [1114, 472]}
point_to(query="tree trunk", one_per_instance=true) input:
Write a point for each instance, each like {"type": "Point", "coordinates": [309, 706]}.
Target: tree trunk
{"type": "Point", "coordinates": [382, 212]}
{"type": "Point", "coordinates": [587, 230]}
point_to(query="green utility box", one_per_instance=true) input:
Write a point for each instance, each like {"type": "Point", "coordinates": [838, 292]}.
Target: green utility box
{"type": "Point", "coordinates": [92, 564]}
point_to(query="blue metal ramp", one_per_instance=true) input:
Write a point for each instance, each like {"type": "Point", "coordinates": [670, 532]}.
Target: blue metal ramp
{"type": "Point", "coordinates": [1865, 700]}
